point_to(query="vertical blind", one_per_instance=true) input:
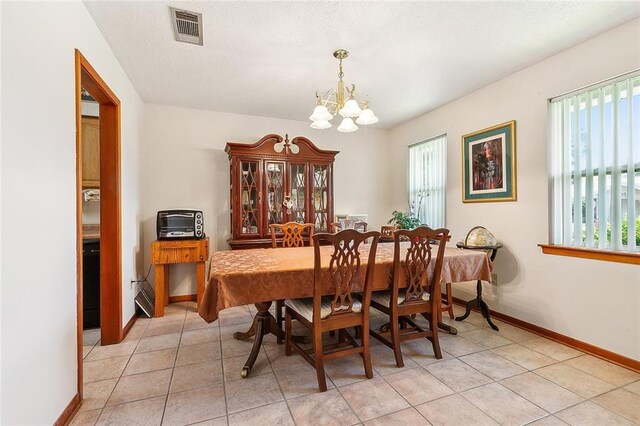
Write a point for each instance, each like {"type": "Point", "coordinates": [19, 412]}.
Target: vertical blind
{"type": "Point", "coordinates": [595, 168]}
{"type": "Point", "coordinates": [427, 180]}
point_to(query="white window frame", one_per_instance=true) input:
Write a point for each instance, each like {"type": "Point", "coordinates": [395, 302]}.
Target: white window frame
{"type": "Point", "coordinates": [434, 184]}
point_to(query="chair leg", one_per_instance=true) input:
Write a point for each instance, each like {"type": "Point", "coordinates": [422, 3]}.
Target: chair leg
{"type": "Point", "coordinates": [433, 325]}
{"type": "Point", "coordinates": [317, 346]}
{"type": "Point", "coordinates": [287, 333]}
{"type": "Point", "coordinates": [368, 370]}
{"type": "Point", "coordinates": [449, 300]}
{"type": "Point", "coordinates": [279, 306]}
{"type": "Point", "coordinates": [395, 340]}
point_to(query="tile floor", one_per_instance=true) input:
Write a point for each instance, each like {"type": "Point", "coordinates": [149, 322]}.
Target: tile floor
{"type": "Point", "coordinates": [178, 370]}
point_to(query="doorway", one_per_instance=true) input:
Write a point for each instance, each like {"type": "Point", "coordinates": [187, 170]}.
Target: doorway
{"type": "Point", "coordinates": [109, 234]}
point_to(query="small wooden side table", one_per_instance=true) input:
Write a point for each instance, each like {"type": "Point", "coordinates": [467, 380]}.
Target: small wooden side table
{"type": "Point", "coordinates": [167, 252]}
{"type": "Point", "coordinates": [478, 302]}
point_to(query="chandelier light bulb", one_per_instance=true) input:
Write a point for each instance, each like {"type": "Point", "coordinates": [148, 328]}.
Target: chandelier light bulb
{"type": "Point", "coordinates": [367, 117]}
{"type": "Point", "coordinates": [321, 113]}
{"type": "Point", "coordinates": [347, 126]}
{"type": "Point", "coordinates": [350, 109]}
{"type": "Point", "coordinates": [320, 124]}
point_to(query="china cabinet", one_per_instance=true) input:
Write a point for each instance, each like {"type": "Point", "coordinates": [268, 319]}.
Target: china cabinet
{"type": "Point", "coordinates": [277, 180]}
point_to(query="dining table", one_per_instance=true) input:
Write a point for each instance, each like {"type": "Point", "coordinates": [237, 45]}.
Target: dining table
{"type": "Point", "coordinates": [260, 276]}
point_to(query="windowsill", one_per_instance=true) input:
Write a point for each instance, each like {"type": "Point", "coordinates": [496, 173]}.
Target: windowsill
{"type": "Point", "coordinates": [606, 255]}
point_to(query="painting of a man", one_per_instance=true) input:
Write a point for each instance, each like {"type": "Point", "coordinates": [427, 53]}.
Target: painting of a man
{"type": "Point", "coordinates": [487, 165]}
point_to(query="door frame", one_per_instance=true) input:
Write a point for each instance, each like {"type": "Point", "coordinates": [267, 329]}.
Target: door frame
{"type": "Point", "coordinates": [111, 330]}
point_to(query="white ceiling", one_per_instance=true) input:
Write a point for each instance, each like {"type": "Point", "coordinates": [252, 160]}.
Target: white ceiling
{"type": "Point", "coordinates": [269, 58]}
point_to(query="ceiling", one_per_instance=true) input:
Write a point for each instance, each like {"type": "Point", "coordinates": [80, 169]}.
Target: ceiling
{"type": "Point", "coordinates": [269, 58]}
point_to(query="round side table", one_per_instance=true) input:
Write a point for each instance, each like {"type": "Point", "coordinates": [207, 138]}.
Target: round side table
{"type": "Point", "coordinates": [478, 302]}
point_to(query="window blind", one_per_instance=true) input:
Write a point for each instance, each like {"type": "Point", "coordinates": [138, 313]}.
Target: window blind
{"type": "Point", "coordinates": [427, 181]}
{"type": "Point", "coordinates": [595, 166]}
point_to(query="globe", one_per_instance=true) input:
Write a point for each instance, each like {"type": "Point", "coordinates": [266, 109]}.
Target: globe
{"type": "Point", "coordinates": [480, 236]}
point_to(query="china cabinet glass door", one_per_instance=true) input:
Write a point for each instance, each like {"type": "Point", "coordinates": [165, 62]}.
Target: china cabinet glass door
{"type": "Point", "coordinates": [274, 183]}
{"type": "Point", "coordinates": [297, 186]}
{"type": "Point", "coordinates": [320, 200]}
{"type": "Point", "coordinates": [249, 200]}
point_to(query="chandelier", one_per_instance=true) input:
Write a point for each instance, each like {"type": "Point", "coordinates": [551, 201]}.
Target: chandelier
{"type": "Point", "coordinates": [343, 101]}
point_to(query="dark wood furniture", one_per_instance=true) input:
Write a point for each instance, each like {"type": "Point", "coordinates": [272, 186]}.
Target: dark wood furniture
{"type": "Point", "coordinates": [386, 233]}
{"type": "Point", "coordinates": [278, 180]}
{"type": "Point", "coordinates": [422, 294]}
{"type": "Point", "coordinates": [167, 252]}
{"type": "Point", "coordinates": [292, 236]}
{"type": "Point", "coordinates": [341, 310]}
{"type": "Point", "coordinates": [478, 302]}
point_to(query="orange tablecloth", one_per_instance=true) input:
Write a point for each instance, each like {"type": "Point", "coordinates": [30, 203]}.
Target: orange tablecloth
{"type": "Point", "coordinates": [240, 277]}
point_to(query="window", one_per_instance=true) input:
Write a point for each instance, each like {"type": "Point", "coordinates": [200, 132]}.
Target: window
{"type": "Point", "coordinates": [427, 178]}
{"type": "Point", "coordinates": [595, 166]}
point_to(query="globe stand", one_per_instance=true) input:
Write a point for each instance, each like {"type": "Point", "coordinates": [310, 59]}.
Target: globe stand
{"type": "Point", "coordinates": [478, 302]}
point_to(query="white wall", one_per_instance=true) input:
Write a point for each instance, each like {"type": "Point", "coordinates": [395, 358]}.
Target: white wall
{"type": "Point", "coordinates": [593, 301]}
{"type": "Point", "coordinates": [39, 200]}
{"type": "Point", "coordinates": [184, 165]}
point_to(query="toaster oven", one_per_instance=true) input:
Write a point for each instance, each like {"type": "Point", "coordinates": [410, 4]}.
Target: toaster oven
{"type": "Point", "coordinates": [179, 224]}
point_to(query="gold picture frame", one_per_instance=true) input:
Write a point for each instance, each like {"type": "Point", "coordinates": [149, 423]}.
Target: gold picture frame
{"type": "Point", "coordinates": [489, 164]}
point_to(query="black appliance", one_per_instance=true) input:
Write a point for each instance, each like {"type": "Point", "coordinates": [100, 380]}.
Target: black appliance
{"type": "Point", "coordinates": [91, 284]}
{"type": "Point", "coordinates": [179, 224]}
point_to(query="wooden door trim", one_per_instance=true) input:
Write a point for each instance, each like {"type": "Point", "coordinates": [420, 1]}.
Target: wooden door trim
{"type": "Point", "coordinates": [110, 207]}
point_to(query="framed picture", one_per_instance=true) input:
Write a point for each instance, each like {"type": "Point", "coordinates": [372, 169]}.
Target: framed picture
{"type": "Point", "coordinates": [489, 164]}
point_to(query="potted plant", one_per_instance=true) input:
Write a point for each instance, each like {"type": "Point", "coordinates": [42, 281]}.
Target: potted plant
{"type": "Point", "coordinates": [408, 220]}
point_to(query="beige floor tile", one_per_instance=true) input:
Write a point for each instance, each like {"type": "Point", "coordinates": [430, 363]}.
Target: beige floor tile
{"type": "Point", "coordinates": [503, 405]}
{"type": "Point", "coordinates": [252, 392]}
{"type": "Point", "coordinates": [634, 387]}
{"type": "Point", "coordinates": [95, 394]}
{"type": "Point", "coordinates": [513, 333]}
{"type": "Point", "coordinates": [196, 376]}
{"type": "Point", "coordinates": [90, 337]}
{"type": "Point", "coordinates": [406, 417]}
{"type": "Point", "coordinates": [457, 375]}
{"type": "Point", "coordinates": [459, 325]}
{"type": "Point", "coordinates": [300, 379]}
{"type": "Point", "coordinates": [220, 421]}
{"type": "Point", "coordinates": [384, 362]}
{"type": "Point", "coordinates": [233, 365]}
{"type": "Point", "coordinates": [590, 414]}
{"type": "Point", "coordinates": [203, 335]}
{"type": "Point", "coordinates": [492, 365]}
{"type": "Point", "coordinates": [198, 353]}
{"type": "Point", "coordinates": [226, 332]}
{"type": "Point", "coordinates": [194, 405]}
{"type": "Point", "coordinates": [241, 318]}
{"type": "Point", "coordinates": [457, 345]}
{"type": "Point", "coordinates": [151, 361]}
{"type": "Point", "coordinates": [576, 381]}
{"type": "Point", "coordinates": [603, 370]}
{"type": "Point", "coordinates": [551, 349]}
{"type": "Point", "coordinates": [621, 402]}
{"type": "Point", "coordinates": [272, 414]}
{"type": "Point", "coordinates": [197, 323]}
{"type": "Point", "coordinates": [524, 357]}
{"type": "Point", "coordinates": [417, 385]}
{"type": "Point", "coordinates": [548, 421]}
{"type": "Point", "coordinates": [110, 368]}
{"type": "Point", "coordinates": [136, 333]}
{"type": "Point", "coordinates": [85, 418]}
{"type": "Point", "coordinates": [140, 386]}
{"type": "Point", "coordinates": [163, 328]}
{"type": "Point", "coordinates": [144, 412]}
{"type": "Point", "coordinates": [156, 343]}
{"type": "Point", "coordinates": [421, 352]}
{"type": "Point", "coordinates": [85, 351]}
{"type": "Point", "coordinates": [454, 410]}
{"type": "Point", "coordinates": [112, 351]}
{"type": "Point", "coordinates": [233, 347]}
{"type": "Point", "coordinates": [322, 409]}
{"type": "Point", "coordinates": [345, 370]}
{"type": "Point", "coordinates": [542, 392]}
{"type": "Point", "coordinates": [486, 339]}
{"type": "Point", "coordinates": [373, 398]}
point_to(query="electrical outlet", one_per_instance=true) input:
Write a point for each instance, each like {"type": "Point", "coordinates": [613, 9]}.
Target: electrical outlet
{"type": "Point", "coordinates": [494, 278]}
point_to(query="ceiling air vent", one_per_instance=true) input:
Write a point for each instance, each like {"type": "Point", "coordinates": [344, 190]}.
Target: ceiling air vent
{"type": "Point", "coordinates": [187, 26]}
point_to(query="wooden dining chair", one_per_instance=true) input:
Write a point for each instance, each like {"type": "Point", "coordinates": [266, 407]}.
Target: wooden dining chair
{"type": "Point", "coordinates": [292, 236]}
{"type": "Point", "coordinates": [346, 274]}
{"type": "Point", "coordinates": [420, 270]}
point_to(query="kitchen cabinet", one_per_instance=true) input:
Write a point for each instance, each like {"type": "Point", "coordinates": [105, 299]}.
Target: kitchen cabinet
{"type": "Point", "coordinates": [90, 152]}
{"type": "Point", "coordinates": [277, 180]}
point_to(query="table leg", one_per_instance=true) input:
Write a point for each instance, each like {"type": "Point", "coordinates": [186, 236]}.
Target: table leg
{"type": "Point", "coordinates": [263, 323]}
{"type": "Point", "coordinates": [478, 302]}
{"type": "Point", "coordinates": [162, 281]}
{"type": "Point", "coordinates": [200, 282]}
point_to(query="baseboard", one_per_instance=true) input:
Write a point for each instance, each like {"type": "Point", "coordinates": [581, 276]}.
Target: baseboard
{"type": "Point", "coordinates": [127, 328]}
{"type": "Point", "coordinates": [69, 411]}
{"type": "Point", "coordinates": [183, 298]}
{"type": "Point", "coordinates": [621, 360]}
